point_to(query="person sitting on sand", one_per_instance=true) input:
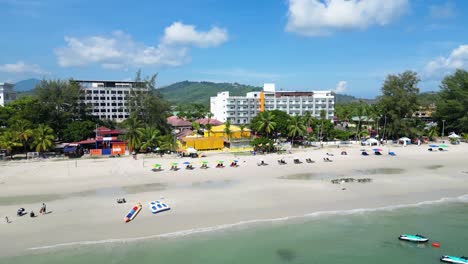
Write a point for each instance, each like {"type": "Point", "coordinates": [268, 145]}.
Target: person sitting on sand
{"type": "Point", "coordinates": [344, 153]}
{"type": "Point", "coordinates": [32, 214]}
{"type": "Point", "coordinates": [20, 212]}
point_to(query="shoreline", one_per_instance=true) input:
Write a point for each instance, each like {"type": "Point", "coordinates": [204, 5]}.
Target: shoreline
{"type": "Point", "coordinates": [84, 207]}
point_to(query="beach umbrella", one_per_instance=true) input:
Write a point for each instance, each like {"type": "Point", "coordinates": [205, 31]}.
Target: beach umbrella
{"type": "Point", "coordinates": [434, 146]}
{"type": "Point", "coordinates": [220, 161]}
{"type": "Point", "coordinates": [174, 163]}
{"type": "Point", "coordinates": [186, 163]}
{"type": "Point", "coordinates": [157, 165]}
{"type": "Point", "coordinates": [377, 149]}
{"type": "Point", "coordinates": [235, 160]}
{"type": "Point", "coordinates": [454, 136]}
{"type": "Point", "coordinates": [204, 162]}
{"type": "Point", "coordinates": [443, 146]}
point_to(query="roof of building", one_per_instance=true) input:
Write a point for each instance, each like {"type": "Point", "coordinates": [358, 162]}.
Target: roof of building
{"type": "Point", "coordinates": [204, 121]}
{"type": "Point", "coordinates": [233, 128]}
{"type": "Point", "coordinates": [176, 121]}
{"type": "Point", "coordinates": [107, 131]}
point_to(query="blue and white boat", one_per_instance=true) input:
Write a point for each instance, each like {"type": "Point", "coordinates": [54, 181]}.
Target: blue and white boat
{"type": "Point", "coordinates": [414, 238]}
{"type": "Point", "coordinates": [452, 259]}
{"type": "Point", "coordinates": [158, 206]}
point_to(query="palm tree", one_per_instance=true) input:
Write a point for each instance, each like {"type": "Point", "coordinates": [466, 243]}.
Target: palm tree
{"type": "Point", "coordinates": [43, 138]}
{"type": "Point", "coordinates": [22, 131]}
{"type": "Point", "coordinates": [242, 128]}
{"type": "Point", "coordinates": [134, 133]}
{"type": "Point", "coordinates": [296, 127]}
{"type": "Point", "coordinates": [208, 127]}
{"type": "Point", "coordinates": [227, 129]}
{"type": "Point", "coordinates": [195, 126]}
{"type": "Point", "coordinates": [265, 122]}
{"type": "Point", "coordinates": [151, 137]}
{"type": "Point", "coordinates": [432, 133]}
{"type": "Point", "coordinates": [8, 141]}
{"type": "Point", "coordinates": [167, 142]}
{"type": "Point", "coordinates": [308, 119]}
{"type": "Point", "coordinates": [360, 112]}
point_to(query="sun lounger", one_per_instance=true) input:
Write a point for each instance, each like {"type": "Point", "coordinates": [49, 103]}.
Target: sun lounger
{"type": "Point", "coordinates": [327, 159]}
{"type": "Point", "coordinates": [364, 153]}
{"type": "Point", "coordinates": [310, 161]}
{"type": "Point", "coordinates": [281, 162]}
{"type": "Point", "coordinates": [391, 153]}
{"type": "Point", "coordinates": [297, 161]}
{"type": "Point", "coordinates": [377, 153]}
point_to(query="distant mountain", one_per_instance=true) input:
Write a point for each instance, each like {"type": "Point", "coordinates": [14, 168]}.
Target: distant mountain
{"type": "Point", "coordinates": [346, 99]}
{"type": "Point", "coordinates": [200, 92]}
{"type": "Point", "coordinates": [26, 85]}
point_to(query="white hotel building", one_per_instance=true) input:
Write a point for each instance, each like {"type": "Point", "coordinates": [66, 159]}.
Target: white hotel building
{"type": "Point", "coordinates": [109, 99]}
{"type": "Point", "coordinates": [241, 109]}
{"type": "Point", "coordinates": [7, 94]}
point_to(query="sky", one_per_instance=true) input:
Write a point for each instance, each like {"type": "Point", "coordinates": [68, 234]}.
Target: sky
{"type": "Point", "coordinates": [348, 46]}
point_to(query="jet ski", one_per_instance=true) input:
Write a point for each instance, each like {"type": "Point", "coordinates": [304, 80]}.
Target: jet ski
{"type": "Point", "coordinates": [452, 259]}
{"type": "Point", "coordinates": [414, 238]}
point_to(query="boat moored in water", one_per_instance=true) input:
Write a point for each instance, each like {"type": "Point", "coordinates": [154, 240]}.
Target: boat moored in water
{"type": "Point", "coordinates": [452, 259]}
{"type": "Point", "coordinates": [414, 238]}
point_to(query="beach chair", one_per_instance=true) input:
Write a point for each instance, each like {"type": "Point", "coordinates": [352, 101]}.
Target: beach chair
{"type": "Point", "coordinates": [310, 161]}
{"type": "Point", "coordinates": [297, 161]}
{"type": "Point", "coordinates": [327, 159]}
{"type": "Point", "coordinates": [364, 153]}
{"type": "Point", "coordinates": [391, 153]}
{"type": "Point", "coordinates": [377, 153]}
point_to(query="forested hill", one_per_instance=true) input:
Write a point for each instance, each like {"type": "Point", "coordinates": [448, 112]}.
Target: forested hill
{"type": "Point", "coordinates": [200, 92]}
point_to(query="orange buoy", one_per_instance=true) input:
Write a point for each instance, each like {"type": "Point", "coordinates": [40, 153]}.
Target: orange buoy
{"type": "Point", "coordinates": [435, 244]}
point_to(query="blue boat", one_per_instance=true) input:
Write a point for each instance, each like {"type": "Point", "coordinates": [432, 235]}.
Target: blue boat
{"type": "Point", "coordinates": [452, 259]}
{"type": "Point", "coordinates": [414, 238]}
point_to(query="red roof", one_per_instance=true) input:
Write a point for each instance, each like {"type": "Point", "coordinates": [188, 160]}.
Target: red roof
{"type": "Point", "coordinates": [176, 121]}
{"type": "Point", "coordinates": [204, 121]}
{"type": "Point", "coordinates": [102, 130]}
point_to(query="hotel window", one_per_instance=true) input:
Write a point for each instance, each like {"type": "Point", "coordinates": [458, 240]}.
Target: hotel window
{"type": "Point", "coordinates": [95, 91]}
{"type": "Point", "coordinates": [102, 98]}
{"type": "Point", "coordinates": [102, 92]}
{"type": "Point", "coordinates": [96, 98]}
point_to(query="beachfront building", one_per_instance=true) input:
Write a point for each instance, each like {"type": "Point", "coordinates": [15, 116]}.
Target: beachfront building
{"type": "Point", "coordinates": [242, 109]}
{"type": "Point", "coordinates": [7, 94]}
{"type": "Point", "coordinates": [110, 99]}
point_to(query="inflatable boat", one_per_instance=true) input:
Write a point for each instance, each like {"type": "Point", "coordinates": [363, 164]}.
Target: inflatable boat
{"type": "Point", "coordinates": [452, 259]}
{"type": "Point", "coordinates": [133, 213]}
{"type": "Point", "coordinates": [158, 206]}
{"type": "Point", "coordinates": [414, 238]}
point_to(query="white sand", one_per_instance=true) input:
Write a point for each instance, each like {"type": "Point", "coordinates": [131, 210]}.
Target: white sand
{"type": "Point", "coordinates": [82, 193]}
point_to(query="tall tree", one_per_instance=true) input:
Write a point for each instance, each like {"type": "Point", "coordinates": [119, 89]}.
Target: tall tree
{"type": "Point", "coordinates": [453, 103]}
{"type": "Point", "coordinates": [9, 141]}
{"type": "Point", "coordinates": [22, 131]}
{"type": "Point", "coordinates": [264, 123]}
{"type": "Point", "coordinates": [399, 100]}
{"type": "Point", "coordinates": [134, 133]}
{"type": "Point", "coordinates": [242, 129]}
{"type": "Point", "coordinates": [43, 138]}
{"type": "Point", "coordinates": [227, 129]}
{"type": "Point", "coordinates": [151, 137]}
{"type": "Point", "coordinates": [296, 127]}
{"type": "Point", "coordinates": [208, 127]}
{"type": "Point", "coordinates": [78, 130]}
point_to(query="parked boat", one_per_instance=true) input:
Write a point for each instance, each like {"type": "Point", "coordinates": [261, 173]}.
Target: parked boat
{"type": "Point", "coordinates": [133, 213]}
{"type": "Point", "coordinates": [414, 238]}
{"type": "Point", "coordinates": [452, 259]}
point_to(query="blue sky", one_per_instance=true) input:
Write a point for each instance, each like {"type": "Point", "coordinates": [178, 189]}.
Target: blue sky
{"type": "Point", "coordinates": [347, 46]}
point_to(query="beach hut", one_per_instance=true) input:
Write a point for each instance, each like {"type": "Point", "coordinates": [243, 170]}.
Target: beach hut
{"type": "Point", "coordinates": [454, 135]}
{"type": "Point", "coordinates": [372, 142]}
{"type": "Point", "coordinates": [404, 141]}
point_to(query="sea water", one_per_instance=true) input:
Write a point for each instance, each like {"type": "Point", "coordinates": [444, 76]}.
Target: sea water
{"type": "Point", "coordinates": [357, 236]}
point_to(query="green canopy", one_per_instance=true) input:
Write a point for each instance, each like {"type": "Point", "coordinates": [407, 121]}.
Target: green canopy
{"type": "Point", "coordinates": [157, 165]}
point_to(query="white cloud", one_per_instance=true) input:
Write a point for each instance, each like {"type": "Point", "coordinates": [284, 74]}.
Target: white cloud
{"type": "Point", "coordinates": [341, 87]}
{"type": "Point", "coordinates": [446, 10]}
{"type": "Point", "coordinates": [119, 50]}
{"type": "Point", "coordinates": [320, 18]}
{"type": "Point", "coordinates": [178, 33]}
{"type": "Point", "coordinates": [458, 59]}
{"type": "Point", "coordinates": [244, 73]}
{"type": "Point", "coordinates": [21, 68]}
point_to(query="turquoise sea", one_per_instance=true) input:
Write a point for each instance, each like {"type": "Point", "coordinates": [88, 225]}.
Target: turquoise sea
{"type": "Point", "coordinates": [360, 236]}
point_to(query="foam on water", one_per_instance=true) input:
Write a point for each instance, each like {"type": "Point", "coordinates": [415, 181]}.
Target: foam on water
{"type": "Point", "coordinates": [460, 199]}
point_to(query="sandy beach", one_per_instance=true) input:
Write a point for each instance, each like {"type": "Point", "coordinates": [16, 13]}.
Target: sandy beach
{"type": "Point", "coordinates": [81, 194]}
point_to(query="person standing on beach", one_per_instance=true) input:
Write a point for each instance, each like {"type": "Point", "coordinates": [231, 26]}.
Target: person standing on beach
{"type": "Point", "coordinates": [7, 220]}
{"type": "Point", "coordinates": [43, 209]}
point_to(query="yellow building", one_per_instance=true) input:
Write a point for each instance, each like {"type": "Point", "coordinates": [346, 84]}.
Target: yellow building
{"type": "Point", "coordinates": [218, 131]}
{"type": "Point", "coordinates": [211, 143]}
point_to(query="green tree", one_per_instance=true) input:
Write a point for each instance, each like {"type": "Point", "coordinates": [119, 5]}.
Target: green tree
{"type": "Point", "coordinates": [308, 119]}
{"type": "Point", "coordinates": [296, 127]}
{"type": "Point", "coordinates": [78, 130]}
{"type": "Point", "coordinates": [227, 130]}
{"type": "Point", "coordinates": [453, 103]}
{"type": "Point", "coordinates": [399, 101]}
{"type": "Point", "coordinates": [361, 112]}
{"type": "Point", "coordinates": [264, 123]}
{"type": "Point", "coordinates": [168, 142]}
{"type": "Point", "coordinates": [208, 128]}
{"type": "Point", "coordinates": [9, 141]}
{"type": "Point", "coordinates": [151, 137]}
{"type": "Point", "coordinates": [432, 133]}
{"type": "Point", "coordinates": [134, 133]}
{"type": "Point", "coordinates": [195, 126]}
{"type": "Point", "coordinates": [22, 131]}
{"type": "Point", "coordinates": [43, 138]}
{"type": "Point", "coordinates": [242, 129]}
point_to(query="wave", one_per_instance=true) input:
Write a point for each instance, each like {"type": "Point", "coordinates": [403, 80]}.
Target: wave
{"type": "Point", "coordinates": [462, 199]}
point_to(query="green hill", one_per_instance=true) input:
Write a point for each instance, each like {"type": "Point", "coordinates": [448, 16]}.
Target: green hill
{"type": "Point", "coordinates": [200, 92]}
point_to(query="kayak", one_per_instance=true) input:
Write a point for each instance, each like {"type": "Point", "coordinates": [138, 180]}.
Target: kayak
{"type": "Point", "coordinates": [414, 238]}
{"type": "Point", "coordinates": [452, 259]}
{"type": "Point", "coordinates": [158, 206]}
{"type": "Point", "coordinates": [133, 213]}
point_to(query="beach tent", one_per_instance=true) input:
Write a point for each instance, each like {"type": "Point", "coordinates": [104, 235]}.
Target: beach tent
{"type": "Point", "coordinates": [191, 150]}
{"type": "Point", "coordinates": [453, 135]}
{"type": "Point", "coordinates": [372, 141]}
{"type": "Point", "coordinates": [404, 140]}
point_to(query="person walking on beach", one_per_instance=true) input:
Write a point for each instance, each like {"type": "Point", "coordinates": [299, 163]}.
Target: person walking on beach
{"type": "Point", "coordinates": [7, 220]}
{"type": "Point", "coordinates": [43, 209]}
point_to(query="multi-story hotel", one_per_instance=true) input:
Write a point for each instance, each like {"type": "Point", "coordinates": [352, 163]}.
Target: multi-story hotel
{"type": "Point", "coordinates": [109, 99]}
{"type": "Point", "coordinates": [241, 109]}
{"type": "Point", "coordinates": [7, 94]}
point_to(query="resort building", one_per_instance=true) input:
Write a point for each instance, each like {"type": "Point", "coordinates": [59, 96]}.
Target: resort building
{"type": "Point", "coordinates": [7, 94]}
{"type": "Point", "coordinates": [110, 99]}
{"type": "Point", "coordinates": [242, 109]}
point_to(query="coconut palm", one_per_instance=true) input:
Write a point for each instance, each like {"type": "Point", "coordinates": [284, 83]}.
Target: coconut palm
{"type": "Point", "coordinates": [308, 119]}
{"type": "Point", "coordinates": [242, 129]}
{"type": "Point", "coordinates": [8, 141]}
{"type": "Point", "coordinates": [208, 127]}
{"type": "Point", "coordinates": [227, 129]}
{"type": "Point", "coordinates": [265, 123]}
{"type": "Point", "coordinates": [43, 138]}
{"type": "Point", "coordinates": [167, 142]}
{"type": "Point", "coordinates": [134, 133]}
{"type": "Point", "coordinates": [360, 112]}
{"type": "Point", "coordinates": [432, 133]}
{"type": "Point", "coordinates": [195, 126]}
{"type": "Point", "coordinates": [22, 132]}
{"type": "Point", "coordinates": [296, 127]}
{"type": "Point", "coordinates": [151, 137]}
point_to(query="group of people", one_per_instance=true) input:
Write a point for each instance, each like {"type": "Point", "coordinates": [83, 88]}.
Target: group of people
{"type": "Point", "coordinates": [21, 211]}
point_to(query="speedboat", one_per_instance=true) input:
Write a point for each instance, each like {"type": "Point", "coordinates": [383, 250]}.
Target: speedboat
{"type": "Point", "coordinates": [452, 259]}
{"type": "Point", "coordinates": [414, 238]}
